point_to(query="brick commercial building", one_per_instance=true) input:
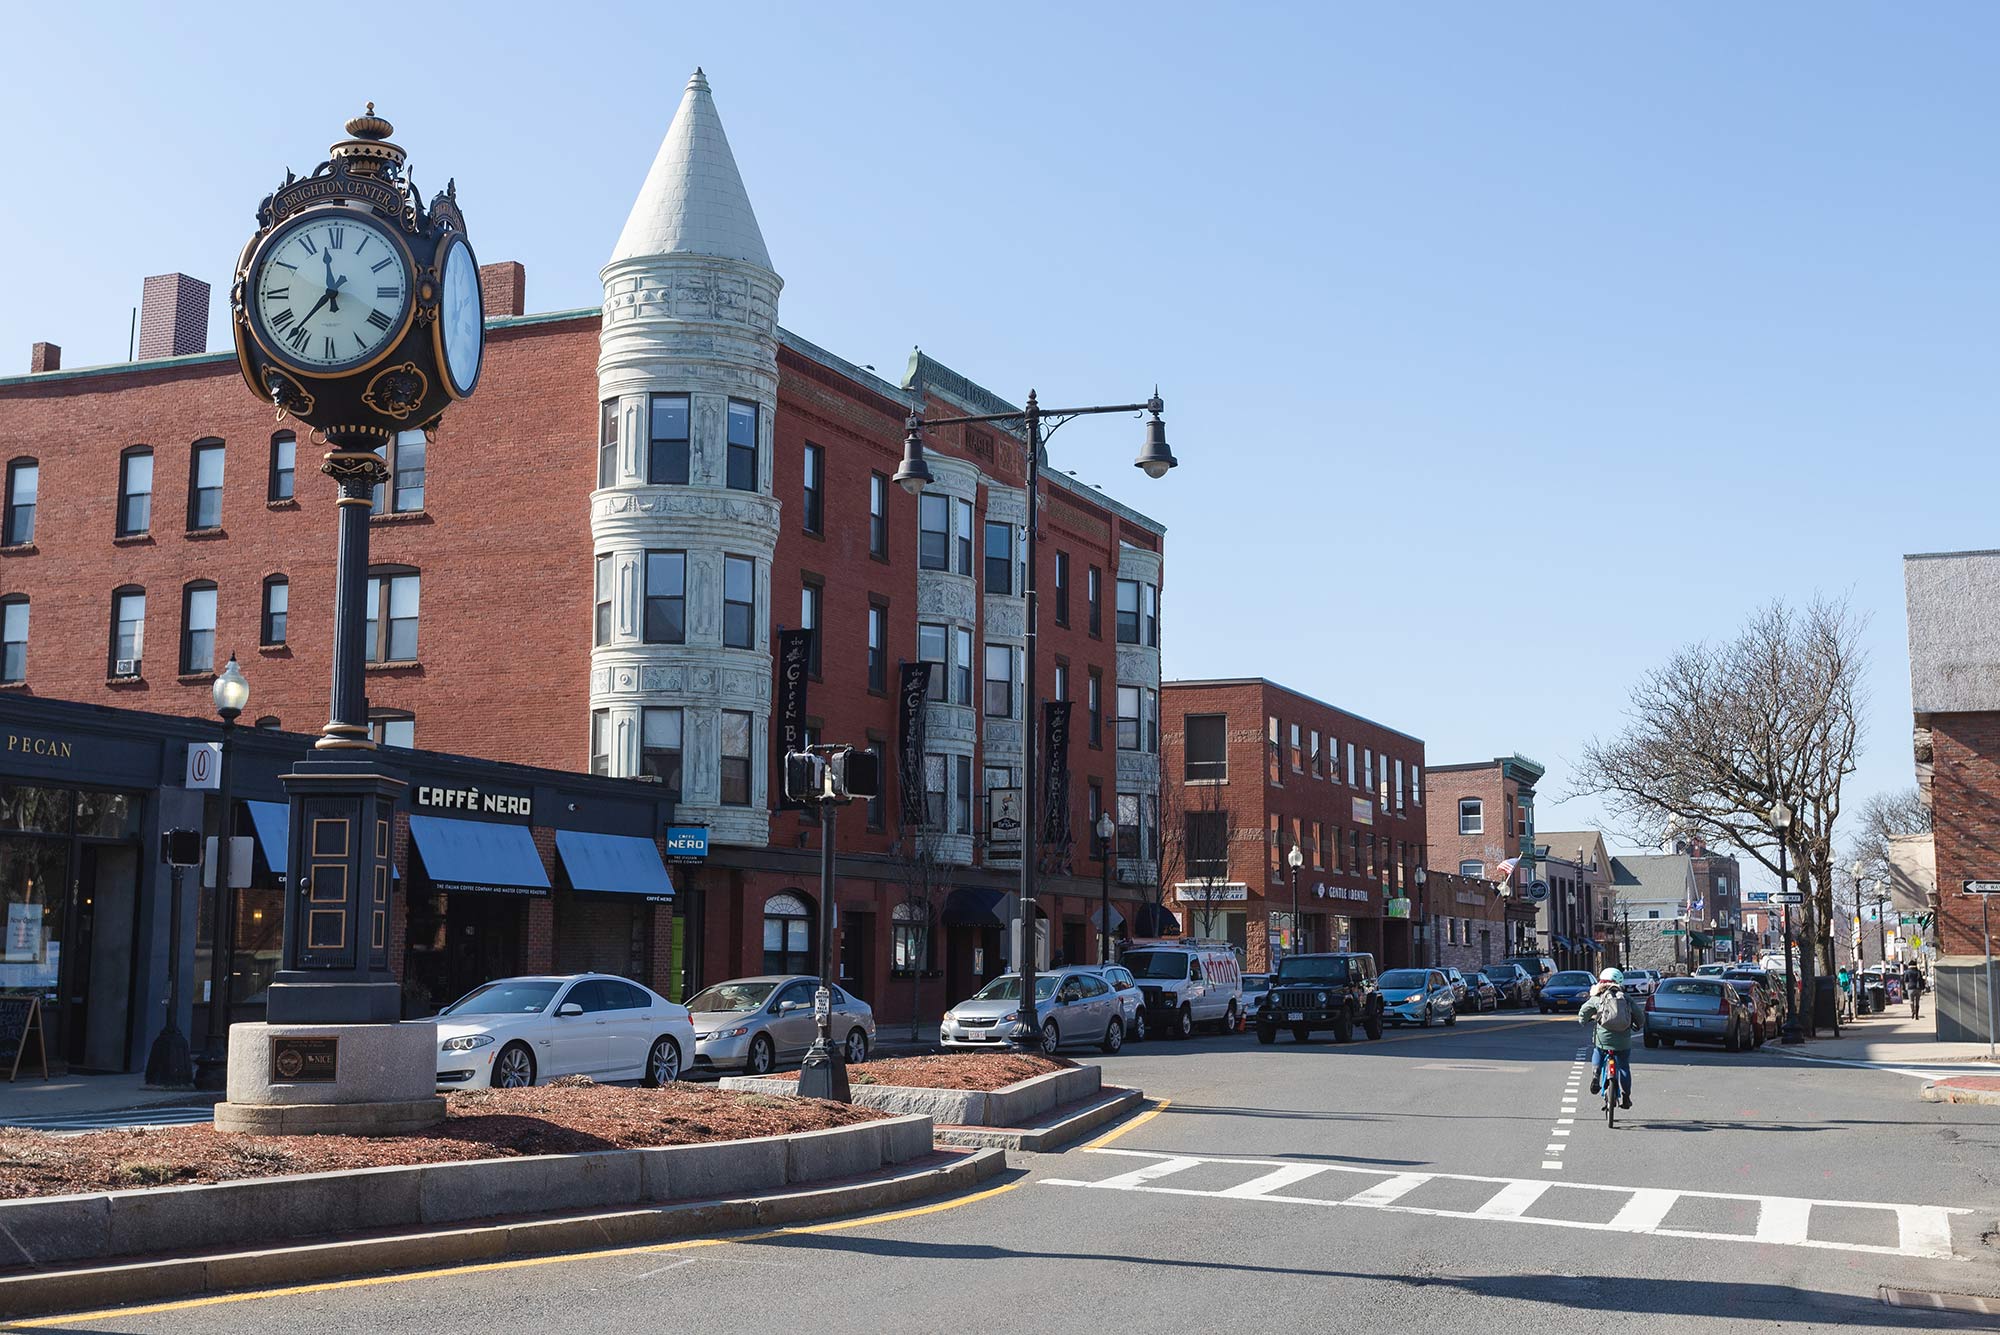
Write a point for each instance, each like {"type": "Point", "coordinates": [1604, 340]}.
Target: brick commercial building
{"type": "Point", "coordinates": [1481, 823]}
{"type": "Point", "coordinates": [1954, 607]}
{"type": "Point", "coordinates": [1466, 916]}
{"type": "Point", "coordinates": [1252, 770]}
{"type": "Point", "coordinates": [586, 570]}
{"type": "Point", "coordinates": [1574, 921]}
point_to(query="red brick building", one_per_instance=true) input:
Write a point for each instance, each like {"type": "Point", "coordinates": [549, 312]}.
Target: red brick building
{"type": "Point", "coordinates": [549, 592]}
{"type": "Point", "coordinates": [1251, 770]}
{"type": "Point", "coordinates": [1481, 820]}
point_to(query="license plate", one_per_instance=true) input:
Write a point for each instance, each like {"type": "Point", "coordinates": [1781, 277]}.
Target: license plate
{"type": "Point", "coordinates": [1295, 1015]}
{"type": "Point", "coordinates": [1684, 1024]}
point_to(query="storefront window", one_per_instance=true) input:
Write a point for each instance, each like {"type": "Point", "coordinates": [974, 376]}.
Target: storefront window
{"type": "Point", "coordinates": [36, 810]}
{"type": "Point", "coordinates": [787, 935]}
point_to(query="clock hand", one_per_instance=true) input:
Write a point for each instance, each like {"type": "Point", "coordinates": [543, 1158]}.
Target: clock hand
{"type": "Point", "coordinates": [332, 287]}
{"type": "Point", "coordinates": [315, 307]}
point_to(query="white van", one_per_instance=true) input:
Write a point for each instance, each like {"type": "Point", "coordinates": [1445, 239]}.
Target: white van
{"type": "Point", "coordinates": [1187, 981]}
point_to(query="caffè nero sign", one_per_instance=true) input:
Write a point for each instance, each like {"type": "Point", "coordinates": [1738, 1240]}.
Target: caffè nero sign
{"type": "Point", "coordinates": [474, 800]}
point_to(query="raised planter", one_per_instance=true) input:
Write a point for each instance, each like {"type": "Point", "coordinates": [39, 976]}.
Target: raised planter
{"type": "Point", "coordinates": [43, 1231]}
{"type": "Point", "coordinates": [1010, 1105]}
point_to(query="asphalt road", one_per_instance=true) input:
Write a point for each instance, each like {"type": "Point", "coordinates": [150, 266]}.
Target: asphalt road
{"type": "Point", "coordinates": [1423, 1183]}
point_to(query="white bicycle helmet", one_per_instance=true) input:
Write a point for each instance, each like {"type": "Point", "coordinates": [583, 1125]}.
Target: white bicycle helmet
{"type": "Point", "coordinates": [1611, 976]}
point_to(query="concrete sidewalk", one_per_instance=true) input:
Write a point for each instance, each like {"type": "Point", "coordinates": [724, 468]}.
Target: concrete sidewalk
{"type": "Point", "coordinates": [70, 1096]}
{"type": "Point", "coordinates": [1890, 1039]}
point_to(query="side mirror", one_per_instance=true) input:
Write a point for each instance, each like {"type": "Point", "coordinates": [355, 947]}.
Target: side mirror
{"type": "Point", "coordinates": [567, 1009]}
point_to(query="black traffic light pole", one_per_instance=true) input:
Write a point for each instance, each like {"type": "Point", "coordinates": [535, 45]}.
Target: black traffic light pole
{"type": "Point", "coordinates": [828, 777]}
{"type": "Point", "coordinates": [170, 1063]}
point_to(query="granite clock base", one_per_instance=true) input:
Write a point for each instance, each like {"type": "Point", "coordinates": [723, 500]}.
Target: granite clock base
{"type": "Point", "coordinates": [383, 1081]}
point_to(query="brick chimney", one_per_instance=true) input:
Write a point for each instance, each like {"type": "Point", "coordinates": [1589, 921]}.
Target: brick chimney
{"type": "Point", "coordinates": [173, 317]}
{"type": "Point", "coordinates": [44, 357]}
{"type": "Point", "coordinates": [504, 288]}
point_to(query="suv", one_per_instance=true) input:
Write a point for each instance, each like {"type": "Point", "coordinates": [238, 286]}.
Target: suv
{"type": "Point", "coordinates": [1187, 982]}
{"type": "Point", "coordinates": [1330, 991]}
{"type": "Point", "coordinates": [1538, 968]}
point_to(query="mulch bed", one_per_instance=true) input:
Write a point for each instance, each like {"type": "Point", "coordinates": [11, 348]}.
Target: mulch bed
{"type": "Point", "coordinates": [568, 1116]}
{"type": "Point", "coordinates": [951, 1070]}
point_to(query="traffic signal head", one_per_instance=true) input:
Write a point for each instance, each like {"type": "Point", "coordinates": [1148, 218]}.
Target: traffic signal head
{"type": "Point", "coordinates": [857, 774]}
{"type": "Point", "coordinates": [805, 777]}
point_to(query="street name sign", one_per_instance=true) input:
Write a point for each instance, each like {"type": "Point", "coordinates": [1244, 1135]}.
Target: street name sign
{"type": "Point", "coordinates": [1788, 897]}
{"type": "Point", "coordinates": [1982, 887]}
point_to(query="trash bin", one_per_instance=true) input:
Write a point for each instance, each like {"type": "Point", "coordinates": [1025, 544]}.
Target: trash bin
{"type": "Point", "coordinates": [1826, 1001]}
{"type": "Point", "coordinates": [1878, 997]}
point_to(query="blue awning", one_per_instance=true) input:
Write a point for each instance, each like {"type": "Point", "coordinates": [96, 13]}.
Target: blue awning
{"type": "Point", "coordinates": [478, 855]}
{"type": "Point", "coordinates": [614, 864]}
{"type": "Point", "coordinates": [1156, 920]}
{"type": "Point", "coordinates": [273, 823]}
{"type": "Point", "coordinates": [972, 906]}
{"type": "Point", "coordinates": [1562, 941]}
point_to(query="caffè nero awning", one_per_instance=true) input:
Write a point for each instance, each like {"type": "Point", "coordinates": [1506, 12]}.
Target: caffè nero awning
{"type": "Point", "coordinates": [614, 864]}
{"type": "Point", "coordinates": [483, 856]}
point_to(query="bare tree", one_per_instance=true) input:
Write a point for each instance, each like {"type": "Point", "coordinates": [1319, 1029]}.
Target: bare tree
{"type": "Point", "coordinates": [1882, 816]}
{"type": "Point", "coordinates": [923, 879]}
{"type": "Point", "coordinates": [1716, 737]}
{"type": "Point", "coordinates": [1194, 847]}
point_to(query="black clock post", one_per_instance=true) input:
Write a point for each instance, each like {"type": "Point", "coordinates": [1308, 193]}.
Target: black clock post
{"type": "Point", "coordinates": [357, 313]}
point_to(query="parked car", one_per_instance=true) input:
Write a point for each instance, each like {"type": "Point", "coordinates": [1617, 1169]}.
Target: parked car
{"type": "Point", "coordinates": [1255, 987]}
{"type": "Point", "coordinates": [522, 1031]}
{"type": "Point", "coordinates": [1710, 970]}
{"type": "Point", "coordinates": [1187, 982]}
{"type": "Point", "coordinates": [1566, 991]}
{"type": "Point", "coordinates": [1072, 1005]}
{"type": "Point", "coordinates": [1641, 982]}
{"type": "Point", "coordinates": [1417, 996]}
{"type": "Point", "coordinates": [1537, 967]}
{"type": "Point", "coordinates": [1457, 981]}
{"type": "Point", "coordinates": [1705, 1010]}
{"type": "Point", "coordinates": [1512, 982]}
{"type": "Point", "coordinates": [1480, 994]}
{"type": "Point", "coordinates": [1130, 999]}
{"type": "Point", "coordinates": [1311, 993]}
{"type": "Point", "coordinates": [753, 1024]}
{"type": "Point", "coordinates": [1767, 1010]}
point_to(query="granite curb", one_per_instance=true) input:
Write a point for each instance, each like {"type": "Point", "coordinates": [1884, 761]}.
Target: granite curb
{"type": "Point", "coordinates": [1963, 1089]}
{"type": "Point", "coordinates": [1009, 1106]}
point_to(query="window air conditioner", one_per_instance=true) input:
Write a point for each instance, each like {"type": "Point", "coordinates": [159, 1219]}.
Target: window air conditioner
{"type": "Point", "coordinates": [125, 667]}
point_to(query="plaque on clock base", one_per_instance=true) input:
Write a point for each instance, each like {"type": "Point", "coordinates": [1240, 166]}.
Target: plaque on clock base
{"type": "Point", "coordinates": [332, 1079]}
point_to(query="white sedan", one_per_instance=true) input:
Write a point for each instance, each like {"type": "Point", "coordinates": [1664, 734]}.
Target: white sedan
{"type": "Point", "coordinates": [525, 1031]}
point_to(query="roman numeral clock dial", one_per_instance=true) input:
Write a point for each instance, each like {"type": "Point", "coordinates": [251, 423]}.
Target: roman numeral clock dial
{"type": "Point", "coordinates": [331, 294]}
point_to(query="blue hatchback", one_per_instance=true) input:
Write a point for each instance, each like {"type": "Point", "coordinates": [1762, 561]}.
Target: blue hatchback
{"type": "Point", "coordinates": [1566, 991]}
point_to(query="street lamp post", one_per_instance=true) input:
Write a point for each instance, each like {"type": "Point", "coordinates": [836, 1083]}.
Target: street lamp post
{"type": "Point", "coordinates": [231, 694]}
{"type": "Point", "coordinates": [1295, 860]}
{"type": "Point", "coordinates": [913, 476]}
{"type": "Point", "coordinates": [1781, 821]}
{"type": "Point", "coordinates": [1106, 828]}
{"type": "Point", "coordinates": [1424, 923]}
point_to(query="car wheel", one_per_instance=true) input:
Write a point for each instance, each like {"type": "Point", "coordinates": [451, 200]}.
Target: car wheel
{"type": "Point", "coordinates": [857, 1046]}
{"type": "Point", "coordinates": [1267, 1034]}
{"type": "Point", "coordinates": [1114, 1037]}
{"type": "Point", "coordinates": [1138, 1034]}
{"type": "Point", "coordinates": [1301, 1034]}
{"type": "Point", "coordinates": [1372, 1025]}
{"type": "Point", "coordinates": [1051, 1038]}
{"type": "Point", "coordinates": [1652, 1040]}
{"type": "Point", "coordinates": [1229, 1019]}
{"type": "Point", "coordinates": [762, 1056]}
{"type": "Point", "coordinates": [1343, 1028]}
{"type": "Point", "coordinates": [514, 1068]}
{"type": "Point", "coordinates": [1424, 1020]}
{"type": "Point", "coordinates": [663, 1063]}
{"type": "Point", "coordinates": [1450, 1018]}
{"type": "Point", "coordinates": [1184, 1023]}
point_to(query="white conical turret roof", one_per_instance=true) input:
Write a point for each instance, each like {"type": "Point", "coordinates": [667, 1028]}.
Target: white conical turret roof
{"type": "Point", "coordinates": [693, 202]}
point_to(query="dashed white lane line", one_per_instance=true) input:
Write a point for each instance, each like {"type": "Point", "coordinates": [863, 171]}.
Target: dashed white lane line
{"type": "Point", "coordinates": [1566, 1113]}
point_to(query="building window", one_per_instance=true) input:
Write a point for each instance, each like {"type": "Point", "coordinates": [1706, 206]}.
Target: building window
{"type": "Point", "coordinates": [666, 598]}
{"type": "Point", "coordinates": [1205, 753]}
{"type": "Point", "coordinates": [284, 466]}
{"type": "Point", "coordinates": [815, 489]}
{"type": "Point", "coordinates": [1149, 599]}
{"type": "Point", "coordinates": [1062, 680]}
{"type": "Point", "coordinates": [13, 639]}
{"type": "Point", "coordinates": [878, 647]}
{"type": "Point", "coordinates": [742, 474]}
{"type": "Point", "coordinates": [135, 492]}
{"type": "Point", "coordinates": [607, 443]}
{"type": "Point", "coordinates": [1368, 770]}
{"type": "Point", "coordinates": [666, 440]}
{"type": "Point", "coordinates": [205, 485]}
{"type": "Point", "coordinates": [999, 557]}
{"type": "Point", "coordinates": [878, 516]}
{"type": "Point", "coordinates": [1471, 816]}
{"type": "Point", "coordinates": [933, 532]}
{"type": "Point", "coordinates": [1399, 785]}
{"type": "Point", "coordinates": [875, 803]}
{"type": "Point", "coordinates": [1129, 736]}
{"type": "Point", "coordinates": [601, 594]}
{"type": "Point", "coordinates": [392, 727]}
{"type": "Point", "coordinates": [403, 493]}
{"type": "Point", "coordinates": [1416, 785]}
{"type": "Point", "coordinates": [1093, 593]}
{"type": "Point", "coordinates": [739, 602]}
{"type": "Point", "coordinates": [788, 937]}
{"type": "Point", "coordinates": [1129, 843]}
{"type": "Point", "coordinates": [1094, 809]}
{"type": "Point", "coordinates": [935, 792]}
{"type": "Point", "coordinates": [735, 758]}
{"type": "Point", "coordinates": [811, 596]}
{"type": "Point", "coordinates": [999, 701]}
{"type": "Point", "coordinates": [963, 805]}
{"type": "Point", "coordinates": [1527, 820]}
{"type": "Point", "coordinates": [961, 666]}
{"type": "Point", "coordinates": [600, 741]}
{"type": "Point", "coordinates": [1062, 588]}
{"type": "Point", "coordinates": [1128, 611]}
{"type": "Point", "coordinates": [931, 642]}
{"type": "Point", "coordinates": [964, 508]}
{"type": "Point", "coordinates": [24, 480]}
{"type": "Point", "coordinates": [1298, 752]}
{"type": "Point", "coordinates": [277, 606]}
{"type": "Point", "coordinates": [1350, 764]}
{"type": "Point", "coordinates": [1096, 705]}
{"type": "Point", "coordinates": [198, 628]}
{"type": "Point", "coordinates": [1273, 767]}
{"type": "Point", "coordinates": [392, 597]}
{"type": "Point", "coordinates": [909, 940]}
{"type": "Point", "coordinates": [1207, 845]}
{"type": "Point", "coordinates": [128, 632]}
{"type": "Point", "coordinates": [660, 746]}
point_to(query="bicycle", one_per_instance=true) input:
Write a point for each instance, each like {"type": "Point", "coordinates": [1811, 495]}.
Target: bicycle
{"type": "Point", "coordinates": [1610, 1088]}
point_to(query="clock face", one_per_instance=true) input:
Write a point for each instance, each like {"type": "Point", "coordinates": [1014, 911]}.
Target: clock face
{"type": "Point", "coordinates": [461, 316]}
{"type": "Point", "coordinates": [332, 291]}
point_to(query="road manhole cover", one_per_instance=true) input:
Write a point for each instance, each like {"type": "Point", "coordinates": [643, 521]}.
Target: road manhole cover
{"type": "Point", "coordinates": [1937, 1301]}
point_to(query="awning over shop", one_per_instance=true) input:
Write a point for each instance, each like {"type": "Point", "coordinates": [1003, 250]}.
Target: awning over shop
{"type": "Point", "coordinates": [1154, 920]}
{"type": "Point", "coordinates": [1591, 946]}
{"type": "Point", "coordinates": [614, 864]}
{"type": "Point", "coordinates": [273, 823]}
{"type": "Point", "coordinates": [1561, 940]}
{"type": "Point", "coordinates": [971, 906]}
{"type": "Point", "coordinates": [477, 855]}
{"type": "Point", "coordinates": [1097, 918]}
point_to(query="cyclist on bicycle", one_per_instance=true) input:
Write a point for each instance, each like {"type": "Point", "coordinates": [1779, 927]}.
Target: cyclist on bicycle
{"type": "Point", "coordinates": [1616, 1018]}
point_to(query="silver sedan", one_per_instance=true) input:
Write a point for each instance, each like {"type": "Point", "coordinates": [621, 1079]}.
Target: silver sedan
{"type": "Point", "coordinates": [753, 1024]}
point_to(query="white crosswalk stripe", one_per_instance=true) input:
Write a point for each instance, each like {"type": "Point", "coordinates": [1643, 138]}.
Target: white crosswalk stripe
{"type": "Point", "coordinates": [1920, 1231]}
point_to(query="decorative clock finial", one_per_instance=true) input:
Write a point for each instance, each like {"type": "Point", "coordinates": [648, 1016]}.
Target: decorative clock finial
{"type": "Point", "coordinates": [367, 150]}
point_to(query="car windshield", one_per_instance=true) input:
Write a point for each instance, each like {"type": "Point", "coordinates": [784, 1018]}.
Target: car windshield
{"type": "Point", "coordinates": [1403, 978]}
{"type": "Point", "coordinates": [1501, 975]}
{"type": "Point", "coordinates": [1171, 964]}
{"type": "Point", "coordinates": [1312, 971]}
{"type": "Point", "coordinates": [1570, 978]}
{"type": "Point", "coordinates": [725, 998]}
{"type": "Point", "coordinates": [509, 996]}
{"type": "Point", "coordinates": [1252, 981]}
{"type": "Point", "coordinates": [1007, 987]}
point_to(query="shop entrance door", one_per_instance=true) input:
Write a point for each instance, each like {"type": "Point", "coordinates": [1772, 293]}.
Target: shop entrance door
{"type": "Point", "coordinates": [483, 940]}
{"type": "Point", "coordinates": [100, 960]}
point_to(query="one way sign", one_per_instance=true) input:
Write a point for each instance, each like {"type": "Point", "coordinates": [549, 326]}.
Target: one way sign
{"type": "Point", "coordinates": [1982, 887]}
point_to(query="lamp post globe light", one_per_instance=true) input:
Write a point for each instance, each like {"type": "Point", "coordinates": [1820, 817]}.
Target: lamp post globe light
{"type": "Point", "coordinates": [1106, 830]}
{"type": "Point", "coordinates": [913, 475]}
{"type": "Point", "coordinates": [1295, 860]}
{"type": "Point", "coordinates": [231, 694]}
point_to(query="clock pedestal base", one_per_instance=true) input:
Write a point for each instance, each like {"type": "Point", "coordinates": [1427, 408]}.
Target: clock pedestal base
{"type": "Point", "coordinates": [332, 1079]}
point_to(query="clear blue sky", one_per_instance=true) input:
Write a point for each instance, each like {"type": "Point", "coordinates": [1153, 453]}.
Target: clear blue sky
{"type": "Point", "coordinates": [1506, 347]}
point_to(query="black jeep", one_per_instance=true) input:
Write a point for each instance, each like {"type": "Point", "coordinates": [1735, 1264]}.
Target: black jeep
{"type": "Point", "coordinates": [1331, 991]}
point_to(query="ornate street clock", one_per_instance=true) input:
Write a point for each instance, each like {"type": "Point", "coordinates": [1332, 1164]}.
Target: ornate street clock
{"type": "Point", "coordinates": [357, 308]}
